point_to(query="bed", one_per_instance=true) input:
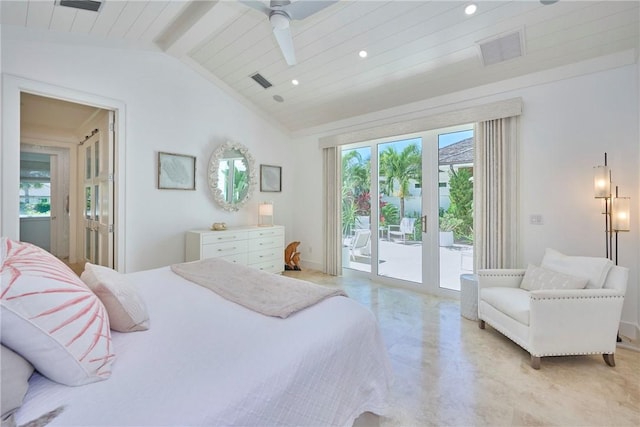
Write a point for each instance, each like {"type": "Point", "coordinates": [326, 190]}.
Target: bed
{"type": "Point", "coordinates": [207, 361]}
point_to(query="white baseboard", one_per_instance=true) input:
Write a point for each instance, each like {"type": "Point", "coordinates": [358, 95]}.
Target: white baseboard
{"type": "Point", "coordinates": [309, 265]}
{"type": "Point", "coordinates": [630, 335]}
{"type": "Point", "coordinates": [630, 330]}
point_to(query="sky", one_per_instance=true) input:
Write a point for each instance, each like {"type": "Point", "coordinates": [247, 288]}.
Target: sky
{"type": "Point", "coordinates": [444, 140]}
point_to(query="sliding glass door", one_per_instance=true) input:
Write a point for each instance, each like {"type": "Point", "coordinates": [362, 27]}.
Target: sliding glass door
{"type": "Point", "coordinates": [412, 224]}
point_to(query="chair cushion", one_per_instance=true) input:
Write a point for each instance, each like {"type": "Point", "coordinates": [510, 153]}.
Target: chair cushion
{"type": "Point", "coordinates": [536, 278]}
{"type": "Point", "coordinates": [514, 302]}
{"type": "Point", "coordinates": [594, 269]}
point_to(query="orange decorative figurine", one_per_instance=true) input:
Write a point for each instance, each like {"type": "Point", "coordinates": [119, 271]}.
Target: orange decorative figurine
{"type": "Point", "coordinates": [292, 257]}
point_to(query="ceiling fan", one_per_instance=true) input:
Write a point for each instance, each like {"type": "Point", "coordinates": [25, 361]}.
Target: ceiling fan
{"type": "Point", "coordinates": [280, 13]}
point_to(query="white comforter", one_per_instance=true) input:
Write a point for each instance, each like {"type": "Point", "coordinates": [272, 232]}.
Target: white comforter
{"type": "Point", "coordinates": [207, 361]}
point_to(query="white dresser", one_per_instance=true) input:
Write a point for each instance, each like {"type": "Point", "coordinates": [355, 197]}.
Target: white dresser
{"type": "Point", "coordinates": [259, 247]}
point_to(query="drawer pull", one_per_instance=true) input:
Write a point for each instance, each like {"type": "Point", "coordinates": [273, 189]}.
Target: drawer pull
{"type": "Point", "coordinates": [226, 249]}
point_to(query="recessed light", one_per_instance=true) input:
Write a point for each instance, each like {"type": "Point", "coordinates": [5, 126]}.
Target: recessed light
{"type": "Point", "coordinates": [295, 82]}
{"type": "Point", "coordinates": [363, 54]}
{"type": "Point", "coordinates": [470, 9]}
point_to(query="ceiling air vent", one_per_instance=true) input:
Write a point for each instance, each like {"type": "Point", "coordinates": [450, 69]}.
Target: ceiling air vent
{"type": "Point", "coordinates": [93, 6]}
{"type": "Point", "coordinates": [502, 48]}
{"type": "Point", "coordinates": [261, 80]}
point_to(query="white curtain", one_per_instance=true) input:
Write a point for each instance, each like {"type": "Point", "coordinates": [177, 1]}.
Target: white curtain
{"type": "Point", "coordinates": [332, 211]}
{"type": "Point", "coordinates": [495, 194]}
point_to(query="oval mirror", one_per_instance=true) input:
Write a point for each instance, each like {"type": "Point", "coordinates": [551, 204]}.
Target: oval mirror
{"type": "Point", "coordinates": [232, 176]}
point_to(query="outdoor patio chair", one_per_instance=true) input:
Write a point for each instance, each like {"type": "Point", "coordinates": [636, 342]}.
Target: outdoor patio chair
{"type": "Point", "coordinates": [401, 231]}
{"type": "Point", "coordinates": [360, 244]}
{"type": "Point", "coordinates": [362, 223]}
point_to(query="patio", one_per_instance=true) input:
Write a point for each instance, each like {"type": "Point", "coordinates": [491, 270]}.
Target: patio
{"type": "Point", "coordinates": [402, 261]}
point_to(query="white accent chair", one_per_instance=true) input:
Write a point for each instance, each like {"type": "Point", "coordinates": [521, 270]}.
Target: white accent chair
{"type": "Point", "coordinates": [360, 244]}
{"type": "Point", "coordinates": [556, 322]}
{"type": "Point", "coordinates": [406, 227]}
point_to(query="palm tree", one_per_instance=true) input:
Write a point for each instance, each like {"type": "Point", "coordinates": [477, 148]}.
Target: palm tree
{"type": "Point", "coordinates": [355, 172]}
{"type": "Point", "coordinates": [356, 181]}
{"type": "Point", "coordinates": [400, 168]}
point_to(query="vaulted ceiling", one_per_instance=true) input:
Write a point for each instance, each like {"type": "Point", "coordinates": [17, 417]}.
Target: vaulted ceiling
{"type": "Point", "coordinates": [416, 49]}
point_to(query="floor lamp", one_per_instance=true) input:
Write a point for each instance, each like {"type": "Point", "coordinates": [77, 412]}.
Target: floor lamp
{"type": "Point", "coordinates": [616, 209]}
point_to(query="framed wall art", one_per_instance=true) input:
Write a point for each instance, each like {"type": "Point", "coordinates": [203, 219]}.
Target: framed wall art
{"type": "Point", "coordinates": [270, 178]}
{"type": "Point", "coordinates": [176, 171]}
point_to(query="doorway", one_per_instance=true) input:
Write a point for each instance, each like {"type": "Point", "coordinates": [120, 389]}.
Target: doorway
{"type": "Point", "coordinates": [416, 213]}
{"type": "Point", "coordinates": [44, 193]}
{"type": "Point", "coordinates": [54, 156]}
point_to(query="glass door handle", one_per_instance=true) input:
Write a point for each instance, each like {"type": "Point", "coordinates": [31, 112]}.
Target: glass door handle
{"type": "Point", "coordinates": [424, 223]}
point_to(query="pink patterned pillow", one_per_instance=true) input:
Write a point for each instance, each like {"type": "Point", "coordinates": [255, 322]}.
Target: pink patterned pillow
{"type": "Point", "coordinates": [51, 317]}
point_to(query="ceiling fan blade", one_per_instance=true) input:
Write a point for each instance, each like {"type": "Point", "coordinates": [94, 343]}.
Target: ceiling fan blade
{"type": "Point", "coordinates": [302, 8]}
{"type": "Point", "coordinates": [285, 41]}
{"type": "Point", "coordinates": [257, 5]}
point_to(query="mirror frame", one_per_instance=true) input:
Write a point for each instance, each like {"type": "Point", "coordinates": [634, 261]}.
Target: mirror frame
{"type": "Point", "coordinates": [212, 175]}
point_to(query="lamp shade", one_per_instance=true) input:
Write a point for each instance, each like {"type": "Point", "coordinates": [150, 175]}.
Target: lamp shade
{"type": "Point", "coordinates": [601, 182]}
{"type": "Point", "coordinates": [620, 211]}
{"type": "Point", "coordinates": [265, 214]}
{"type": "Point", "coordinates": [266, 209]}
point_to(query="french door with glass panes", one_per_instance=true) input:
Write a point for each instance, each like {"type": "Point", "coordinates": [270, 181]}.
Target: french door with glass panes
{"type": "Point", "coordinates": [98, 196]}
{"type": "Point", "coordinates": [419, 233]}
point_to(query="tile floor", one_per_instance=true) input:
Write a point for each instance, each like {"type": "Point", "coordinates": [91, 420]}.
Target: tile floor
{"type": "Point", "coordinates": [448, 372]}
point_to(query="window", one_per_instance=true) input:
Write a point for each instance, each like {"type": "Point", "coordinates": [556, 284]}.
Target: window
{"type": "Point", "coordinates": [35, 184]}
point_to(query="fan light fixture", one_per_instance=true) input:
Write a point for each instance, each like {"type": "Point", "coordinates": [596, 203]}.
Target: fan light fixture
{"type": "Point", "coordinates": [279, 20]}
{"type": "Point", "coordinates": [280, 14]}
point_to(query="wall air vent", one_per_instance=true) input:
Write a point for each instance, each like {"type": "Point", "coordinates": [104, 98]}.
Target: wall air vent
{"type": "Point", "coordinates": [502, 48]}
{"type": "Point", "coordinates": [92, 5]}
{"type": "Point", "coordinates": [261, 80]}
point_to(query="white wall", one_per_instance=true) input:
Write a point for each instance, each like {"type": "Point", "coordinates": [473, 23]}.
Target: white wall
{"type": "Point", "coordinates": [168, 108]}
{"type": "Point", "coordinates": [569, 120]}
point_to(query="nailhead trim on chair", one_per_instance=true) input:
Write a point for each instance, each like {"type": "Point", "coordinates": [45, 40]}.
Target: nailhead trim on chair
{"type": "Point", "coordinates": [501, 275]}
{"type": "Point", "coordinates": [506, 334]}
{"type": "Point", "coordinates": [538, 298]}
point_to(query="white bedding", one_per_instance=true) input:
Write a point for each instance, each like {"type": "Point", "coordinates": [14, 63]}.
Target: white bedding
{"type": "Point", "coordinates": [208, 361]}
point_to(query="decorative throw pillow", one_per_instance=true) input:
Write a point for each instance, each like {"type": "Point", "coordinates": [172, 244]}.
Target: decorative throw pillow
{"type": "Point", "coordinates": [14, 382]}
{"type": "Point", "coordinates": [595, 269]}
{"type": "Point", "coordinates": [127, 311]}
{"type": "Point", "coordinates": [536, 278]}
{"type": "Point", "coordinates": [51, 317]}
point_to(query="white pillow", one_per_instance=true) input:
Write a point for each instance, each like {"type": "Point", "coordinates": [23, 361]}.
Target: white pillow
{"type": "Point", "coordinates": [51, 318]}
{"type": "Point", "coordinates": [595, 269]}
{"type": "Point", "coordinates": [536, 278]}
{"type": "Point", "coordinates": [127, 311]}
{"type": "Point", "coordinates": [14, 383]}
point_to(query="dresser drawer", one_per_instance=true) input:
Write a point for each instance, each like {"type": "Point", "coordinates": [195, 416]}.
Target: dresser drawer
{"type": "Point", "coordinates": [266, 243]}
{"type": "Point", "coordinates": [217, 250]}
{"type": "Point", "coordinates": [266, 232]}
{"type": "Point", "coordinates": [271, 254]}
{"type": "Point", "coordinates": [236, 258]}
{"type": "Point", "coordinates": [223, 236]}
{"type": "Point", "coordinates": [270, 266]}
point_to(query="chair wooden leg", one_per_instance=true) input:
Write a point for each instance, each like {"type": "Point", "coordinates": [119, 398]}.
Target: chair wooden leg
{"type": "Point", "coordinates": [609, 359]}
{"type": "Point", "coordinates": [535, 362]}
{"type": "Point", "coordinates": [481, 324]}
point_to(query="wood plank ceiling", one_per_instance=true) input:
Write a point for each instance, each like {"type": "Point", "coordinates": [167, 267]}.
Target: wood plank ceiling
{"type": "Point", "coordinates": [416, 49]}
